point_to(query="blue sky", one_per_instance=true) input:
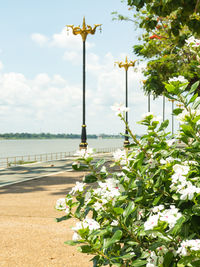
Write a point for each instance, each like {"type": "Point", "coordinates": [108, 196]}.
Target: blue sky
{"type": "Point", "coordinates": [41, 68]}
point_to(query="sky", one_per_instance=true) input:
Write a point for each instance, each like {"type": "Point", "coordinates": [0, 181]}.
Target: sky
{"type": "Point", "coordinates": [41, 68]}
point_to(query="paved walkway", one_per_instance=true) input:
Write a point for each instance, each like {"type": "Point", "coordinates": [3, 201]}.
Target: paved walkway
{"type": "Point", "coordinates": [26, 172]}
{"type": "Point", "coordinates": [30, 237]}
{"type": "Point", "coordinates": [29, 234]}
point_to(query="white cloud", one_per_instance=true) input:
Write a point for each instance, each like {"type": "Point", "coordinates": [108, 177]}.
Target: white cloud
{"type": "Point", "coordinates": [64, 39]}
{"type": "Point", "coordinates": [39, 38]}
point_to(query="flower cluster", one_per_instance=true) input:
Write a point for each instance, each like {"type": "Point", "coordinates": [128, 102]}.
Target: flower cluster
{"type": "Point", "coordinates": [179, 79]}
{"type": "Point", "coordinates": [187, 246]}
{"type": "Point", "coordinates": [87, 223]}
{"type": "Point", "coordinates": [193, 42]}
{"type": "Point", "coordinates": [84, 153]}
{"type": "Point", "coordinates": [119, 109]}
{"type": "Point", "coordinates": [180, 184]}
{"type": "Point", "coordinates": [187, 114]}
{"type": "Point", "coordinates": [143, 209]}
{"type": "Point", "coordinates": [170, 216]}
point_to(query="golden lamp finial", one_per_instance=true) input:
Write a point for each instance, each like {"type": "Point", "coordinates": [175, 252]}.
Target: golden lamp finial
{"type": "Point", "coordinates": [85, 30]}
{"type": "Point", "coordinates": [127, 64]}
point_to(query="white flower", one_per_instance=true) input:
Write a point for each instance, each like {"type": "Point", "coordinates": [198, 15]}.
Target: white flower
{"type": "Point", "coordinates": [187, 245]}
{"type": "Point", "coordinates": [180, 79]}
{"type": "Point", "coordinates": [120, 156]}
{"type": "Point", "coordinates": [67, 211]}
{"type": "Point", "coordinates": [61, 204]}
{"type": "Point", "coordinates": [76, 237]}
{"type": "Point", "coordinates": [170, 216]}
{"type": "Point", "coordinates": [152, 260]}
{"type": "Point", "coordinates": [156, 209]}
{"type": "Point", "coordinates": [79, 187]}
{"type": "Point", "coordinates": [88, 196]}
{"type": "Point", "coordinates": [114, 223]}
{"type": "Point", "coordinates": [151, 222]}
{"type": "Point", "coordinates": [119, 109]}
{"type": "Point", "coordinates": [109, 189]}
{"type": "Point", "coordinates": [97, 206]}
{"type": "Point", "coordinates": [141, 213]}
{"type": "Point", "coordinates": [189, 191]}
{"type": "Point", "coordinates": [103, 169]}
{"type": "Point", "coordinates": [84, 153]}
{"type": "Point", "coordinates": [193, 112]}
{"type": "Point", "coordinates": [181, 169]}
{"type": "Point", "coordinates": [191, 41]}
{"type": "Point", "coordinates": [86, 223]}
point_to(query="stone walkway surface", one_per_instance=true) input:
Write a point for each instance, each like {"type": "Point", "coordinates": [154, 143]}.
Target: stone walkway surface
{"type": "Point", "coordinates": [29, 234]}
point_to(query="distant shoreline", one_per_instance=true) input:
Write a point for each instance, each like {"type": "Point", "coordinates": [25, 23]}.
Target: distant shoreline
{"type": "Point", "coordinates": [47, 136]}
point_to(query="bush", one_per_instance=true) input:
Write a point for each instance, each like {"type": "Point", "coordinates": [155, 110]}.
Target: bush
{"type": "Point", "coordinates": [148, 213]}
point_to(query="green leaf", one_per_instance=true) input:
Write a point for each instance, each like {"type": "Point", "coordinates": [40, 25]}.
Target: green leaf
{"type": "Point", "coordinates": [79, 167]}
{"type": "Point", "coordinates": [196, 104]}
{"type": "Point", "coordinates": [100, 162]}
{"type": "Point", "coordinates": [168, 259]}
{"type": "Point", "coordinates": [187, 129]}
{"type": "Point", "coordinates": [192, 99]}
{"type": "Point", "coordinates": [129, 209]}
{"type": "Point", "coordinates": [115, 238]}
{"type": "Point", "coordinates": [176, 229]}
{"type": "Point", "coordinates": [85, 249]}
{"type": "Point", "coordinates": [186, 260]}
{"type": "Point", "coordinates": [118, 210]}
{"type": "Point", "coordinates": [63, 218]}
{"type": "Point", "coordinates": [172, 89]}
{"type": "Point", "coordinates": [138, 263]}
{"type": "Point", "coordinates": [177, 111]}
{"type": "Point", "coordinates": [72, 243]}
{"type": "Point", "coordinates": [193, 87]}
{"type": "Point", "coordinates": [195, 263]}
{"type": "Point", "coordinates": [156, 200]}
{"type": "Point", "coordinates": [90, 178]}
{"type": "Point", "coordinates": [163, 125]}
{"type": "Point", "coordinates": [196, 210]}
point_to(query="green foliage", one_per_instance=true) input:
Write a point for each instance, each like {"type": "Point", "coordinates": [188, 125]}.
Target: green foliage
{"type": "Point", "coordinates": [147, 212]}
{"type": "Point", "coordinates": [166, 26]}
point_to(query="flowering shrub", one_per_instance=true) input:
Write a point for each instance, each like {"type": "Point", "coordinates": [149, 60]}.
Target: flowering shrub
{"type": "Point", "coordinates": [148, 212]}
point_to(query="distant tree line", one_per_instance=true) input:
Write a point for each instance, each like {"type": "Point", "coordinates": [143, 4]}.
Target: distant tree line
{"type": "Point", "coordinates": [52, 136]}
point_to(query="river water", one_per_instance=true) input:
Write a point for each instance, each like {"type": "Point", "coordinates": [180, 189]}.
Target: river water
{"type": "Point", "coordinates": [11, 148]}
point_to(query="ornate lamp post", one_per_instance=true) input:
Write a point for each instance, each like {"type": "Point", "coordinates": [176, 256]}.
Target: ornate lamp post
{"type": "Point", "coordinates": [126, 66]}
{"type": "Point", "coordinates": [84, 31]}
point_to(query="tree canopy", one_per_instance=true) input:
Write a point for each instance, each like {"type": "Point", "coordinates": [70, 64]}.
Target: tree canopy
{"type": "Point", "coordinates": [167, 25]}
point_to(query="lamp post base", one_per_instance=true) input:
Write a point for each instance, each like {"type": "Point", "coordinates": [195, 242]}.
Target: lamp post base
{"type": "Point", "coordinates": [126, 143]}
{"type": "Point", "coordinates": [83, 145]}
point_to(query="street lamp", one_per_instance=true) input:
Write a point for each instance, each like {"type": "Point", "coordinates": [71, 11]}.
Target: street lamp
{"type": "Point", "coordinates": [126, 66]}
{"type": "Point", "coordinates": [84, 31]}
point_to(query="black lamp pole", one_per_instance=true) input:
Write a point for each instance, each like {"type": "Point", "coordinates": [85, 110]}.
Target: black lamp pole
{"type": "Point", "coordinates": [83, 143]}
{"type": "Point", "coordinates": [84, 31]}
{"type": "Point", "coordinates": [126, 65]}
{"type": "Point", "coordinates": [126, 141]}
{"type": "Point", "coordinates": [149, 102]}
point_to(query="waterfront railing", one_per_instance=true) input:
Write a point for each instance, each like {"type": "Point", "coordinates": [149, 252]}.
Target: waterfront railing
{"type": "Point", "coordinates": [27, 159]}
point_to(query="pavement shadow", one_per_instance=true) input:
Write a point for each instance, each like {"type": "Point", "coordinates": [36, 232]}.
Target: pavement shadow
{"type": "Point", "coordinates": [43, 184]}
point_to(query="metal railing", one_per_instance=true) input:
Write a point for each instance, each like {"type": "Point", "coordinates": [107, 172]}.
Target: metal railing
{"type": "Point", "coordinates": [27, 159]}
